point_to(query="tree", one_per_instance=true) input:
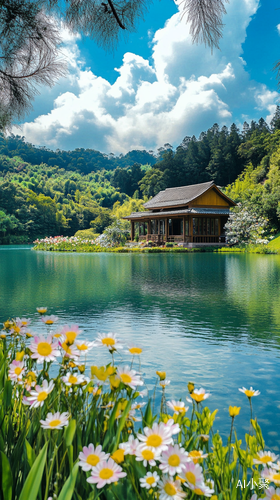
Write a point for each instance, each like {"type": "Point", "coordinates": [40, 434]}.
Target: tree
{"type": "Point", "coordinates": [29, 39]}
{"type": "Point", "coordinates": [245, 226]}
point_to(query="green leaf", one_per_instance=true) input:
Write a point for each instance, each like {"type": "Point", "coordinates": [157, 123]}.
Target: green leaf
{"type": "Point", "coordinates": [33, 481]}
{"type": "Point", "coordinates": [121, 425]}
{"type": "Point", "coordinates": [70, 432]}
{"type": "Point", "coordinates": [69, 486]}
{"type": "Point", "coordinates": [30, 453]}
{"type": "Point", "coordinates": [7, 478]}
{"type": "Point", "coordinates": [148, 417]}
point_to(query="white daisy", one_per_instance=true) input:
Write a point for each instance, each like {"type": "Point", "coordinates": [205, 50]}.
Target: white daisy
{"type": "Point", "coordinates": [147, 455]}
{"type": "Point", "coordinates": [130, 446]}
{"type": "Point", "coordinates": [164, 383]}
{"type": "Point", "coordinates": [159, 436]}
{"type": "Point", "coordinates": [38, 396]}
{"type": "Point", "coordinates": [199, 395]}
{"type": "Point", "coordinates": [272, 494]}
{"type": "Point", "coordinates": [177, 406]}
{"type": "Point", "coordinates": [129, 377]}
{"type": "Point", "coordinates": [69, 350]}
{"type": "Point", "coordinates": [170, 489]}
{"type": "Point", "coordinates": [84, 346]}
{"type": "Point", "coordinates": [73, 379]}
{"type": "Point", "coordinates": [22, 322]}
{"type": "Point", "coordinates": [91, 456]}
{"type": "Point", "coordinates": [16, 370]}
{"type": "Point", "coordinates": [173, 460]}
{"type": "Point", "coordinates": [265, 457]}
{"type": "Point", "coordinates": [106, 473]}
{"type": "Point", "coordinates": [70, 332]}
{"type": "Point", "coordinates": [44, 349]}
{"type": "Point", "coordinates": [271, 475]}
{"type": "Point", "coordinates": [137, 406]}
{"type": "Point", "coordinates": [150, 480]}
{"type": "Point", "coordinates": [109, 340]}
{"type": "Point", "coordinates": [41, 310]}
{"type": "Point", "coordinates": [197, 455]}
{"type": "Point", "coordinates": [192, 475]}
{"type": "Point", "coordinates": [55, 420]}
{"type": "Point", "coordinates": [249, 392]}
{"type": "Point", "coordinates": [49, 320]}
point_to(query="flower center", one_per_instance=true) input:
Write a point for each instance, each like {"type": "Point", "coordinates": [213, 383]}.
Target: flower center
{"type": "Point", "coordinates": [71, 336]}
{"type": "Point", "coordinates": [265, 459]}
{"type": "Point", "coordinates": [44, 348]}
{"type": "Point", "coordinates": [42, 396]}
{"type": "Point", "coordinates": [24, 323]}
{"type": "Point", "coordinates": [174, 460]}
{"type": "Point", "coordinates": [108, 341]}
{"type": "Point", "coordinates": [275, 497]}
{"type": "Point", "coordinates": [180, 409]}
{"type": "Point", "coordinates": [276, 477]}
{"type": "Point", "coordinates": [93, 459]}
{"type": "Point", "coordinates": [72, 379]}
{"type": "Point", "coordinates": [194, 453]}
{"type": "Point", "coordinates": [170, 490]}
{"type": "Point", "coordinates": [150, 480]}
{"type": "Point", "coordinates": [135, 350]}
{"type": "Point", "coordinates": [249, 393]}
{"type": "Point", "coordinates": [66, 347]}
{"type": "Point", "coordinates": [154, 440]}
{"type": "Point", "coordinates": [198, 491]}
{"type": "Point", "coordinates": [49, 322]}
{"type": "Point", "coordinates": [55, 423]}
{"type": "Point", "coordinates": [126, 379]}
{"type": "Point", "coordinates": [106, 473]}
{"type": "Point", "coordinates": [190, 477]}
{"type": "Point", "coordinates": [82, 347]}
{"type": "Point", "coordinates": [147, 455]}
{"type": "Point", "coordinates": [57, 335]}
{"type": "Point", "coordinates": [18, 370]}
{"type": "Point", "coordinates": [197, 397]}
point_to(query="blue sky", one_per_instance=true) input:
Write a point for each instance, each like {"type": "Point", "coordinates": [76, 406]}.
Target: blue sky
{"type": "Point", "coordinates": [158, 87]}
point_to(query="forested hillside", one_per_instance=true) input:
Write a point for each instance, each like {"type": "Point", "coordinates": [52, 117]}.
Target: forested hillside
{"type": "Point", "coordinates": [43, 192]}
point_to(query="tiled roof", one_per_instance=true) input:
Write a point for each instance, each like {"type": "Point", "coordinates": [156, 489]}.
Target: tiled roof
{"type": "Point", "coordinates": [186, 211]}
{"type": "Point", "coordinates": [178, 195]}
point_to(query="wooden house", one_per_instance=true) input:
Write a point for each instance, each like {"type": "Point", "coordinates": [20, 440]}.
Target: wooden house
{"type": "Point", "coordinates": [192, 215]}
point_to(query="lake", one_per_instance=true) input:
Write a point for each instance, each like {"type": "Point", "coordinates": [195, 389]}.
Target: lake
{"type": "Point", "coordinates": [213, 319]}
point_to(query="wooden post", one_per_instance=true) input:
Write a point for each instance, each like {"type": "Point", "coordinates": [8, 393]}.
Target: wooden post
{"type": "Point", "coordinates": [191, 229]}
{"type": "Point", "coordinates": [132, 230]}
{"type": "Point", "coordinates": [184, 230]}
{"type": "Point", "coordinates": [166, 229]}
{"type": "Point", "coordinates": [149, 227]}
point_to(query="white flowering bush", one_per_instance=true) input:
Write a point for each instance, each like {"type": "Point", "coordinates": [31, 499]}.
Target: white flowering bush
{"type": "Point", "coordinates": [73, 431]}
{"type": "Point", "coordinates": [245, 226]}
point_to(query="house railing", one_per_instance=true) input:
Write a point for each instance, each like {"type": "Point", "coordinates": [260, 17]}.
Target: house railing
{"type": "Point", "coordinates": [178, 238]}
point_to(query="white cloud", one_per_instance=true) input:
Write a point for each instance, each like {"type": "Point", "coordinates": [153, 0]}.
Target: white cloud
{"type": "Point", "coordinates": [183, 91]}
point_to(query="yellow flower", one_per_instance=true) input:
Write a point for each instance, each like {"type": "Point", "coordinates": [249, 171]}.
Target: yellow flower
{"type": "Point", "coordinates": [102, 373]}
{"type": "Point", "coordinates": [82, 368]}
{"type": "Point", "coordinates": [42, 310]}
{"type": "Point", "coordinates": [8, 324]}
{"type": "Point", "coordinates": [114, 381]}
{"type": "Point", "coordinates": [90, 389]}
{"type": "Point", "coordinates": [118, 456]}
{"type": "Point", "coordinates": [135, 350]}
{"type": "Point", "coordinates": [19, 355]}
{"type": "Point", "coordinates": [2, 336]}
{"type": "Point", "coordinates": [29, 335]}
{"type": "Point", "coordinates": [162, 375]}
{"type": "Point", "coordinates": [234, 411]}
{"type": "Point", "coordinates": [71, 364]}
{"type": "Point", "coordinates": [190, 387]}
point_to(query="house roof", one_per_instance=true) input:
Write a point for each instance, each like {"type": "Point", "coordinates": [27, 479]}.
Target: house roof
{"type": "Point", "coordinates": [186, 211]}
{"type": "Point", "coordinates": [183, 195]}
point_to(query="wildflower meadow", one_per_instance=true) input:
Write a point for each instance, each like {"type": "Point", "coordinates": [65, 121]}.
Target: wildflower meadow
{"type": "Point", "coordinates": [73, 430]}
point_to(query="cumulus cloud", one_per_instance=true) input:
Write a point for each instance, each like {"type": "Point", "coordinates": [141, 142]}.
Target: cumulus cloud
{"type": "Point", "coordinates": [182, 90]}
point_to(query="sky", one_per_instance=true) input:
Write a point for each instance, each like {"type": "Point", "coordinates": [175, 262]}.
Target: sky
{"type": "Point", "coordinates": [157, 87]}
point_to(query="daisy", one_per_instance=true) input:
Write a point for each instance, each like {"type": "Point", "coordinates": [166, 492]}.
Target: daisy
{"type": "Point", "coordinates": [70, 332]}
{"type": "Point", "coordinates": [73, 379]}
{"type": "Point", "coordinates": [30, 380]}
{"type": "Point", "coordinates": [196, 455]}
{"type": "Point", "coordinates": [49, 320]}
{"type": "Point", "coordinates": [16, 370]}
{"type": "Point", "coordinates": [44, 349]}
{"type": "Point", "coordinates": [249, 392]}
{"type": "Point", "coordinates": [108, 340]}
{"type": "Point", "coordinates": [118, 456]}
{"type": "Point", "coordinates": [130, 446]}
{"type": "Point", "coordinates": [164, 383]}
{"type": "Point", "coordinates": [170, 489]}
{"type": "Point", "coordinates": [271, 475]}
{"type": "Point", "coordinates": [276, 466]}
{"type": "Point", "coordinates": [135, 351]}
{"type": "Point", "coordinates": [143, 394]}
{"type": "Point", "coordinates": [137, 406]}
{"type": "Point", "coordinates": [147, 455]}
{"type": "Point", "coordinates": [204, 437]}
{"type": "Point", "coordinates": [106, 473]}
{"type": "Point", "coordinates": [199, 395]}
{"type": "Point", "coordinates": [69, 351]}
{"type": "Point", "coordinates": [159, 436]}
{"type": "Point", "coordinates": [38, 396]}
{"type": "Point", "coordinates": [202, 490]}
{"type": "Point", "coordinates": [173, 460]}
{"type": "Point", "coordinates": [192, 475]}
{"type": "Point", "coordinates": [265, 457]}
{"type": "Point", "coordinates": [91, 456]}
{"type": "Point", "coordinates": [149, 481]}
{"type": "Point", "coordinates": [271, 493]}
{"type": "Point", "coordinates": [55, 421]}
{"type": "Point", "coordinates": [84, 346]}
{"type": "Point", "coordinates": [177, 406]}
{"type": "Point", "coordinates": [129, 377]}
{"type": "Point", "coordinates": [22, 322]}
{"type": "Point", "coordinates": [41, 310]}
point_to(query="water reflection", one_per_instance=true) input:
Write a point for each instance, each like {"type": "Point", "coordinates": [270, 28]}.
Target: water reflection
{"type": "Point", "coordinates": [211, 318]}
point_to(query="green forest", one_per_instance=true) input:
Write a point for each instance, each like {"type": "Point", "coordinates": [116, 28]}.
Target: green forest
{"type": "Point", "coordinates": [48, 193]}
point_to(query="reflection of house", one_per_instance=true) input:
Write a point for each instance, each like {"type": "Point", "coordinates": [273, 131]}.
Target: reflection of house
{"type": "Point", "coordinates": [194, 214]}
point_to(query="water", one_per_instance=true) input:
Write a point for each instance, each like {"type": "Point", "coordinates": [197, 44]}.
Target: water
{"type": "Point", "coordinates": [210, 318]}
